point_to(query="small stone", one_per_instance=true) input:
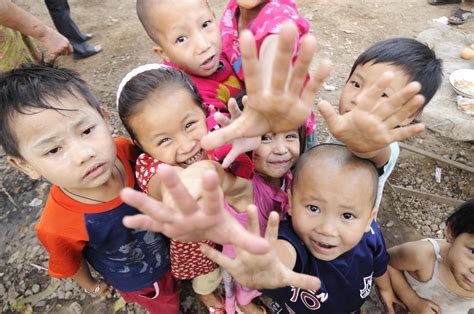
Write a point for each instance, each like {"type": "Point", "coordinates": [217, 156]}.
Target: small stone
{"type": "Point", "coordinates": [36, 288]}
{"type": "Point", "coordinates": [28, 292]}
{"type": "Point", "coordinates": [2, 289]}
{"type": "Point", "coordinates": [68, 295]}
{"type": "Point", "coordinates": [434, 227]}
{"type": "Point", "coordinates": [442, 226]}
{"type": "Point", "coordinates": [425, 230]}
{"type": "Point", "coordinates": [419, 180]}
{"type": "Point", "coordinates": [390, 224]}
{"type": "Point", "coordinates": [40, 303]}
{"type": "Point", "coordinates": [61, 295]}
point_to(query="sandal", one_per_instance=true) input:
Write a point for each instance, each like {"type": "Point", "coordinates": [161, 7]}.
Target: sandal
{"type": "Point", "coordinates": [441, 2]}
{"type": "Point", "coordinates": [460, 17]}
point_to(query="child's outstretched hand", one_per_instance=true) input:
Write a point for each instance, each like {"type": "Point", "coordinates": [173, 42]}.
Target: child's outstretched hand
{"type": "Point", "coordinates": [239, 145]}
{"type": "Point", "coordinates": [259, 271]}
{"type": "Point", "coordinates": [282, 104]}
{"type": "Point", "coordinates": [190, 220]}
{"type": "Point", "coordinates": [374, 122]}
{"type": "Point", "coordinates": [389, 299]}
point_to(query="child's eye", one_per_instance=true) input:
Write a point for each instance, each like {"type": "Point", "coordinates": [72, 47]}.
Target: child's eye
{"type": "Point", "coordinates": [355, 84]}
{"type": "Point", "coordinates": [206, 24]}
{"type": "Point", "coordinates": [313, 208]}
{"type": "Point", "coordinates": [88, 130]}
{"type": "Point", "coordinates": [163, 141]}
{"type": "Point", "coordinates": [190, 124]}
{"type": "Point", "coordinates": [180, 39]}
{"type": "Point", "coordinates": [266, 138]}
{"type": "Point", "coordinates": [291, 136]}
{"type": "Point", "coordinates": [53, 151]}
{"type": "Point", "coordinates": [348, 216]}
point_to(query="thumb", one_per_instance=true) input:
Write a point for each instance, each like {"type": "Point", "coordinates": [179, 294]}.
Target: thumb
{"type": "Point", "coordinates": [328, 113]}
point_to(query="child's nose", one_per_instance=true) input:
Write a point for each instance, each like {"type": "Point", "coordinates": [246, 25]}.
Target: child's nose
{"type": "Point", "coordinates": [327, 228]}
{"type": "Point", "coordinates": [203, 43]}
{"type": "Point", "coordinates": [83, 153]}
{"type": "Point", "coordinates": [186, 144]}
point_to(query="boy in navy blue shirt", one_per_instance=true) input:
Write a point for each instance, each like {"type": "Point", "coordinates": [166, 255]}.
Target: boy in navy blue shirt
{"type": "Point", "coordinates": [331, 234]}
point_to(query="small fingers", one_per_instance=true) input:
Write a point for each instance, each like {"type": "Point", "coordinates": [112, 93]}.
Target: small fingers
{"type": "Point", "coordinates": [184, 201]}
{"type": "Point", "coordinates": [222, 119]}
{"type": "Point", "coordinates": [147, 205]}
{"type": "Point", "coordinates": [301, 66]}
{"type": "Point", "coordinates": [212, 196]}
{"type": "Point", "coordinates": [406, 113]}
{"type": "Point", "coordinates": [396, 101]}
{"type": "Point", "coordinates": [283, 56]}
{"type": "Point", "coordinates": [224, 135]}
{"type": "Point", "coordinates": [216, 256]}
{"type": "Point", "coordinates": [253, 225]}
{"type": "Point", "coordinates": [142, 222]}
{"type": "Point", "coordinates": [302, 281]}
{"type": "Point", "coordinates": [405, 132]}
{"type": "Point", "coordinates": [234, 109]}
{"type": "Point", "coordinates": [315, 82]}
{"type": "Point", "coordinates": [271, 234]}
{"type": "Point", "coordinates": [329, 114]}
{"type": "Point", "coordinates": [250, 64]}
{"type": "Point", "coordinates": [229, 159]}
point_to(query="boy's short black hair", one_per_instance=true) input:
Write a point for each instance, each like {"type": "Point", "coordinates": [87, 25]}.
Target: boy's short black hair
{"type": "Point", "coordinates": [462, 219]}
{"type": "Point", "coordinates": [29, 87]}
{"type": "Point", "coordinates": [415, 58]}
{"type": "Point", "coordinates": [340, 155]}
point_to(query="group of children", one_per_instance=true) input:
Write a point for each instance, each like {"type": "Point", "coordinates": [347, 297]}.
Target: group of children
{"type": "Point", "coordinates": [195, 220]}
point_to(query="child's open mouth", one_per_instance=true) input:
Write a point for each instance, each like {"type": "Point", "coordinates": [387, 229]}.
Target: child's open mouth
{"type": "Point", "coordinates": [208, 63]}
{"type": "Point", "coordinates": [323, 248]}
{"type": "Point", "coordinates": [195, 158]}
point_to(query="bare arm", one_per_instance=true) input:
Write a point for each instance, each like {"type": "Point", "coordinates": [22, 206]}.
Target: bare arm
{"type": "Point", "coordinates": [84, 278]}
{"type": "Point", "coordinates": [408, 296]}
{"type": "Point", "coordinates": [386, 292]}
{"type": "Point", "coordinates": [18, 19]}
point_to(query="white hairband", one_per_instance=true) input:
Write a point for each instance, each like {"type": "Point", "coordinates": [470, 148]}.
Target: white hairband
{"type": "Point", "coordinates": [135, 72]}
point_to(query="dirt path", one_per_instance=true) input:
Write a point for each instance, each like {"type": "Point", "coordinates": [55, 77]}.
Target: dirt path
{"type": "Point", "coordinates": [343, 29]}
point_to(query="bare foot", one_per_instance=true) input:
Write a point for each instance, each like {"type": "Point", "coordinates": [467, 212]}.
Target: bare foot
{"type": "Point", "coordinates": [212, 301]}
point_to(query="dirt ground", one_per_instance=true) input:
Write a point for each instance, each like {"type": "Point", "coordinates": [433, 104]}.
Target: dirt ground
{"type": "Point", "coordinates": [343, 29]}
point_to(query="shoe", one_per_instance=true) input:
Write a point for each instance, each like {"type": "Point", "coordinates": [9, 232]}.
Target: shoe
{"type": "Point", "coordinates": [460, 17]}
{"type": "Point", "coordinates": [89, 51]}
{"type": "Point", "coordinates": [441, 2]}
{"type": "Point", "coordinates": [88, 36]}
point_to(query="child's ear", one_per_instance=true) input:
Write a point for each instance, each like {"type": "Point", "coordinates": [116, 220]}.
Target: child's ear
{"type": "Point", "coordinates": [23, 166]}
{"type": "Point", "coordinates": [448, 234]}
{"type": "Point", "coordinates": [373, 215]}
{"type": "Point", "coordinates": [159, 51]}
{"type": "Point", "coordinates": [105, 115]}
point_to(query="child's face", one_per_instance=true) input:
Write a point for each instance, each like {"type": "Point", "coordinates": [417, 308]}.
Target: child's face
{"type": "Point", "coordinates": [331, 208]}
{"type": "Point", "coordinates": [277, 154]}
{"type": "Point", "coordinates": [365, 76]}
{"type": "Point", "coordinates": [72, 148]}
{"type": "Point", "coordinates": [169, 127]}
{"type": "Point", "coordinates": [189, 36]}
{"type": "Point", "coordinates": [461, 260]}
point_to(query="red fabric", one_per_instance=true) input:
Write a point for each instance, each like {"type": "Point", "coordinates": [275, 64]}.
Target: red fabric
{"type": "Point", "coordinates": [167, 300]}
{"type": "Point", "coordinates": [61, 228]}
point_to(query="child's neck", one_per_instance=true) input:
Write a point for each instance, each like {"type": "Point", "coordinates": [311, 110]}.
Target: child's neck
{"type": "Point", "coordinates": [103, 193]}
{"type": "Point", "coordinates": [245, 16]}
{"type": "Point", "coordinates": [277, 182]}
